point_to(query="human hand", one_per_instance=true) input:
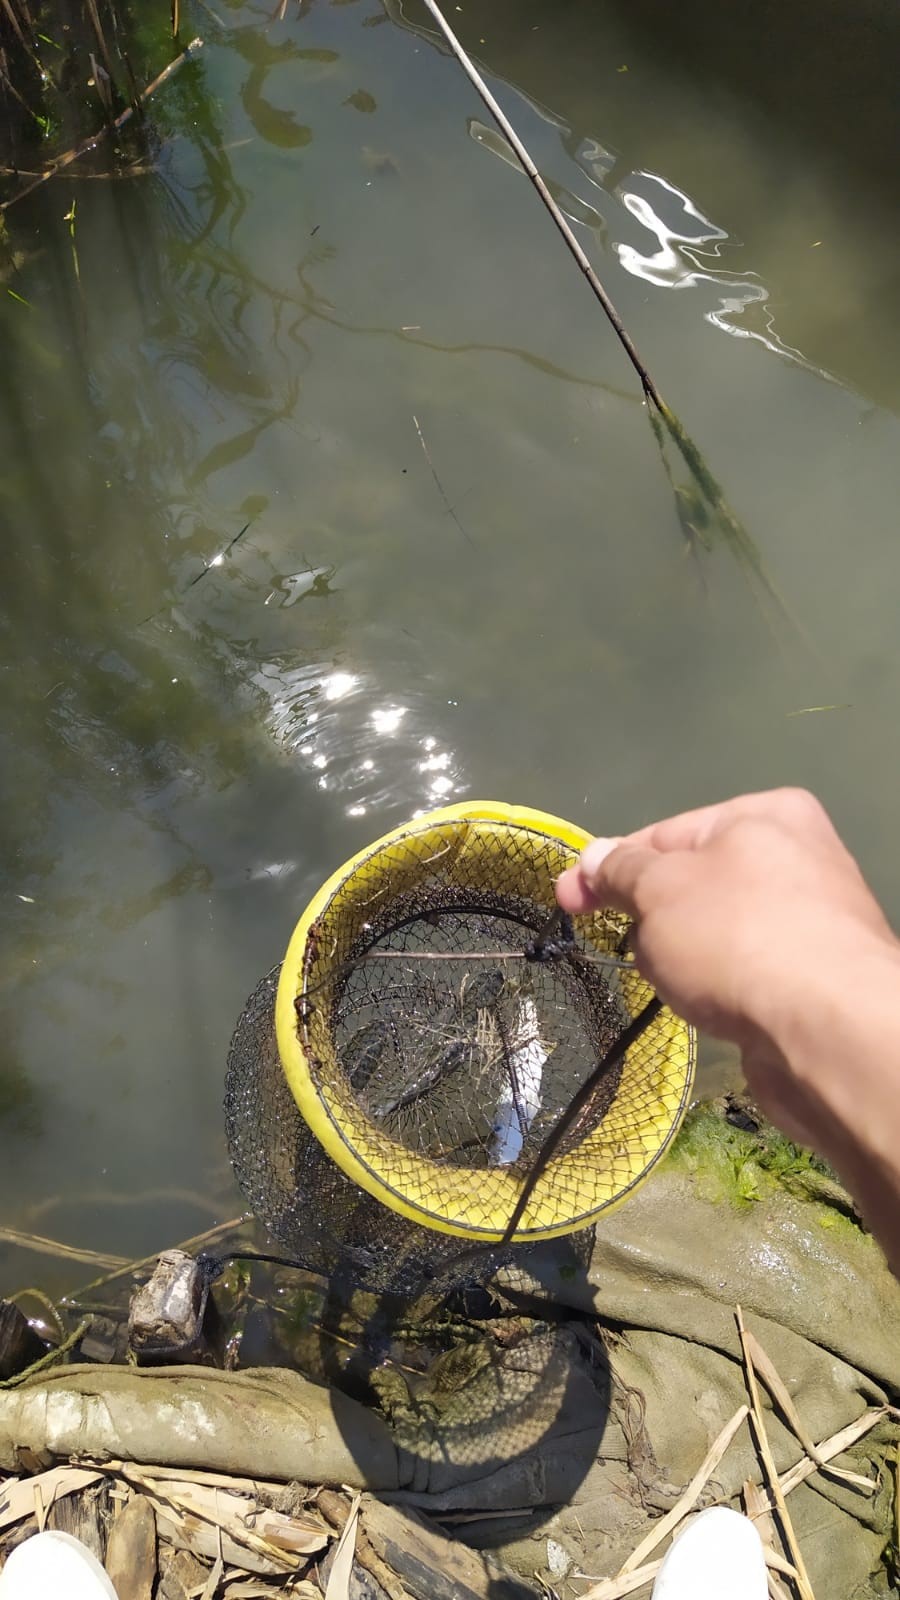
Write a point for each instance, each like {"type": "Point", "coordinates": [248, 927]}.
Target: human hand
{"type": "Point", "coordinates": [741, 913]}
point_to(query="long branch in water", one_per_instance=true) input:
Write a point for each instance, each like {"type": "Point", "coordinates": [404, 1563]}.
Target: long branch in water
{"type": "Point", "coordinates": [732, 530]}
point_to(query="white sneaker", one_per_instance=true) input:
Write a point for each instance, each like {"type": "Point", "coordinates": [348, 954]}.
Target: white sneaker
{"type": "Point", "coordinates": [54, 1566]}
{"type": "Point", "coordinates": [718, 1557]}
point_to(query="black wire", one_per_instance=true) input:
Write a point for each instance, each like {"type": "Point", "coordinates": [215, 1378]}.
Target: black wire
{"type": "Point", "coordinates": [212, 1266]}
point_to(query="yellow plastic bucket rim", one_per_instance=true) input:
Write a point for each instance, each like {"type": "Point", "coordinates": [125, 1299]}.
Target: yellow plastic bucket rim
{"type": "Point", "coordinates": [368, 1161]}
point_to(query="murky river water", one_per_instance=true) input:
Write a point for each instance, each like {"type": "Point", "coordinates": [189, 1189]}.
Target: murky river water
{"type": "Point", "coordinates": [335, 314]}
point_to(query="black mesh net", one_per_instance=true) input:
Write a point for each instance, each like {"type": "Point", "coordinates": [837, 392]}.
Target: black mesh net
{"type": "Point", "coordinates": [441, 1025]}
{"type": "Point", "coordinates": [322, 1220]}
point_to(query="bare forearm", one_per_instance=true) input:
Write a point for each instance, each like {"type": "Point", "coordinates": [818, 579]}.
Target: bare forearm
{"type": "Point", "coordinates": [835, 1053]}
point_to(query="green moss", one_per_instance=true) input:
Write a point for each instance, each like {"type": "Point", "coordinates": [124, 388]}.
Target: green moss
{"type": "Point", "coordinates": [743, 1166]}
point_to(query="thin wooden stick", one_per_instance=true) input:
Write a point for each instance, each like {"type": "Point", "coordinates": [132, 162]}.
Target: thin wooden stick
{"type": "Point", "coordinates": [835, 1446]}
{"type": "Point", "coordinates": [616, 1588]}
{"type": "Point", "coordinates": [441, 490]}
{"type": "Point", "coordinates": [765, 1450]}
{"type": "Point", "coordinates": [691, 1495]}
{"type": "Point", "coordinates": [528, 166]}
{"type": "Point", "coordinates": [189, 1245]}
{"type": "Point", "coordinates": [53, 1247]}
{"type": "Point", "coordinates": [767, 1371]}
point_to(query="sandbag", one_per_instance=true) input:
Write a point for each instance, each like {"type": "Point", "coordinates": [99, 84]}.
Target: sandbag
{"type": "Point", "coordinates": [269, 1424]}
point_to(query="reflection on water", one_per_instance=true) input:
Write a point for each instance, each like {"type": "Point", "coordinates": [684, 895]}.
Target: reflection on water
{"type": "Point", "coordinates": [353, 745]}
{"type": "Point", "coordinates": [328, 496]}
{"type": "Point", "coordinates": [681, 262]}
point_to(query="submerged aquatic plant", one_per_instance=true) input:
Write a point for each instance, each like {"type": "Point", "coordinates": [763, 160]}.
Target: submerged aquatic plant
{"type": "Point", "coordinates": [69, 74]}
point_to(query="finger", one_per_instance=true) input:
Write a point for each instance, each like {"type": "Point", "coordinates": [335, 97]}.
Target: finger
{"type": "Point", "coordinates": [573, 887]}
{"type": "Point", "coordinates": [587, 886]}
{"type": "Point", "coordinates": [616, 881]}
{"type": "Point", "coordinates": [574, 893]}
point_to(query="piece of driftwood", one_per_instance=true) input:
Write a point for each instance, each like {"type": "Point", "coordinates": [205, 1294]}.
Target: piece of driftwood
{"type": "Point", "coordinates": [20, 1346]}
{"type": "Point", "coordinates": [84, 1516]}
{"type": "Point", "coordinates": [167, 1321]}
{"type": "Point", "coordinates": [429, 1565]}
{"type": "Point", "coordinates": [131, 1551]}
{"type": "Point", "coordinates": [335, 1507]}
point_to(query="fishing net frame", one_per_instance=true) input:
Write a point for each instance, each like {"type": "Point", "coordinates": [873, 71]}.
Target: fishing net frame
{"type": "Point", "coordinates": [473, 862]}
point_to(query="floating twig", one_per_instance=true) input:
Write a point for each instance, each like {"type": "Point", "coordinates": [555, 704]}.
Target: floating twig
{"type": "Point", "coordinates": [809, 711]}
{"type": "Point", "coordinates": [218, 560]}
{"type": "Point", "coordinates": [188, 1246]}
{"type": "Point", "coordinates": [441, 490]}
{"type": "Point", "coordinates": [54, 1247]}
{"type": "Point", "coordinates": [208, 566]}
{"type": "Point", "coordinates": [509, 132]}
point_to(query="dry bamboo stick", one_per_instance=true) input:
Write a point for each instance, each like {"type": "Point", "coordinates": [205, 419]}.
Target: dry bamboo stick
{"type": "Point", "coordinates": [762, 1439]}
{"type": "Point", "coordinates": [829, 1448]}
{"type": "Point", "coordinates": [767, 1371]}
{"type": "Point", "coordinates": [691, 1494]}
{"type": "Point", "coordinates": [660, 414]}
{"type": "Point", "coordinates": [166, 1500]}
{"type": "Point", "coordinates": [624, 1584]}
{"type": "Point", "coordinates": [210, 1480]}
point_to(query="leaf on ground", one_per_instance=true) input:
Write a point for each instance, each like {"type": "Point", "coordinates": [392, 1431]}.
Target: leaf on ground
{"type": "Point", "coordinates": [338, 1586]}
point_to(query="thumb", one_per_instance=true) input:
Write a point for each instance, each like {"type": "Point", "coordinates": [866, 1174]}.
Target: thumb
{"type": "Point", "coordinates": [614, 878]}
{"type": "Point", "coordinates": [575, 887]}
{"type": "Point", "coordinates": [608, 874]}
